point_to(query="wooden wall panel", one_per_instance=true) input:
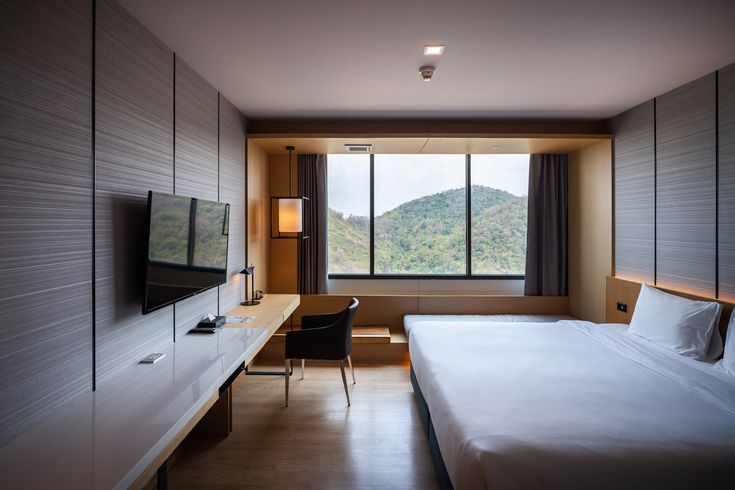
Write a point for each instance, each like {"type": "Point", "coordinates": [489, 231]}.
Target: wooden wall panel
{"type": "Point", "coordinates": [493, 305]}
{"type": "Point", "coordinates": [282, 254]}
{"type": "Point", "coordinates": [134, 132]}
{"type": "Point", "coordinates": [232, 185]}
{"type": "Point", "coordinates": [686, 186]}
{"type": "Point", "coordinates": [373, 310]}
{"type": "Point", "coordinates": [450, 127]}
{"type": "Point", "coordinates": [634, 192]}
{"type": "Point", "coordinates": [195, 168]}
{"type": "Point", "coordinates": [727, 182]}
{"type": "Point", "coordinates": [258, 219]}
{"type": "Point", "coordinates": [590, 230]}
{"type": "Point", "coordinates": [45, 208]}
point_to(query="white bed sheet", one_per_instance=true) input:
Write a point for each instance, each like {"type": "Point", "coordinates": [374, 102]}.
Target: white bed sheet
{"type": "Point", "coordinates": [572, 405]}
{"type": "Point", "coordinates": [410, 320]}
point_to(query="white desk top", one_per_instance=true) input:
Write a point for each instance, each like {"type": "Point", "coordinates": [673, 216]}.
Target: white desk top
{"type": "Point", "coordinates": [107, 438]}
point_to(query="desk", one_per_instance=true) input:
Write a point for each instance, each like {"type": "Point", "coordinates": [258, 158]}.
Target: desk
{"type": "Point", "coordinates": [117, 436]}
{"type": "Point", "coordinates": [270, 314]}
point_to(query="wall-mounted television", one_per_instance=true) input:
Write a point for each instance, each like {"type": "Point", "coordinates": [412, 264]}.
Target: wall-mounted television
{"type": "Point", "coordinates": [186, 248]}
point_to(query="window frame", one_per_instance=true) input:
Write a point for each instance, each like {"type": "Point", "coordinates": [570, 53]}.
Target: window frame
{"type": "Point", "coordinates": [468, 241]}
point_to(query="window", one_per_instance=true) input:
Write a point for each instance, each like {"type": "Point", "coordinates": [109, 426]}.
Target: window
{"type": "Point", "coordinates": [499, 214]}
{"type": "Point", "coordinates": [348, 198]}
{"type": "Point", "coordinates": [420, 214]}
{"type": "Point", "coordinates": [414, 215]}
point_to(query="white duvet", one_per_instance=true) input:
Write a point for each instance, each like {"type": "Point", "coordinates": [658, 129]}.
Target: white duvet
{"type": "Point", "coordinates": [572, 405]}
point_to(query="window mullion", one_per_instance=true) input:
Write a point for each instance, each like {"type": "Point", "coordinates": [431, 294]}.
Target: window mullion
{"type": "Point", "coordinates": [372, 215]}
{"type": "Point", "coordinates": [468, 207]}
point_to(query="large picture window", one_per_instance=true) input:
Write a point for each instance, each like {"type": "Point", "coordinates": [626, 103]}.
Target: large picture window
{"type": "Point", "coordinates": [348, 195]}
{"type": "Point", "coordinates": [499, 213]}
{"type": "Point", "coordinates": [427, 215]}
{"type": "Point", "coordinates": [420, 217]}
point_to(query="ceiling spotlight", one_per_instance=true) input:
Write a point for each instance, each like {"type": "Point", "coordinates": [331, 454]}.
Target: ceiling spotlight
{"type": "Point", "coordinates": [433, 50]}
{"type": "Point", "coordinates": [427, 72]}
{"type": "Point", "coordinates": [495, 147]}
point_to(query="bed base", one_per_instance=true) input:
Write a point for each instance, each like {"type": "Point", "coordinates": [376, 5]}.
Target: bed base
{"type": "Point", "coordinates": [442, 477]}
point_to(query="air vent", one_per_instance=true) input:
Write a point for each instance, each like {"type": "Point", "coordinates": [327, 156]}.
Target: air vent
{"type": "Point", "coordinates": [354, 148]}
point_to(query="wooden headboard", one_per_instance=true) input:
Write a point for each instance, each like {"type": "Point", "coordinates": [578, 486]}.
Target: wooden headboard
{"type": "Point", "coordinates": [626, 292]}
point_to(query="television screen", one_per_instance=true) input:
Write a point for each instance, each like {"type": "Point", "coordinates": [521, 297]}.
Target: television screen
{"type": "Point", "coordinates": [187, 248]}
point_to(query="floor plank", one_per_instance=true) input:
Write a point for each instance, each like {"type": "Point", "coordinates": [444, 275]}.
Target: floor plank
{"type": "Point", "coordinates": [317, 442]}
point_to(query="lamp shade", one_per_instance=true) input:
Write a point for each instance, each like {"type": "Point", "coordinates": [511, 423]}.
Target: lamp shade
{"type": "Point", "coordinates": [290, 215]}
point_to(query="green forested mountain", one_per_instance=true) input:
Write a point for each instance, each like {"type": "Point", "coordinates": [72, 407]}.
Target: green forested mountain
{"type": "Point", "coordinates": [427, 235]}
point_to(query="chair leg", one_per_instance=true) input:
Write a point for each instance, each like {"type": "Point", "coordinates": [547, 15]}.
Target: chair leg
{"type": "Point", "coordinates": [344, 380]}
{"type": "Point", "coordinates": [303, 362]}
{"type": "Point", "coordinates": [286, 376]}
{"type": "Point", "coordinates": [349, 360]}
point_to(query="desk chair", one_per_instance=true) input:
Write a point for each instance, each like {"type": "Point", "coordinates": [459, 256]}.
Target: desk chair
{"type": "Point", "coordinates": [324, 337]}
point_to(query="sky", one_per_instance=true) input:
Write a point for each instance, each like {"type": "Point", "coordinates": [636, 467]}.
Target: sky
{"type": "Point", "coordinates": [402, 178]}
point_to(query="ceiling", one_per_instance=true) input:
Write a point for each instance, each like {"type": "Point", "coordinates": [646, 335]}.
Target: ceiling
{"type": "Point", "coordinates": [429, 145]}
{"type": "Point", "coordinates": [520, 58]}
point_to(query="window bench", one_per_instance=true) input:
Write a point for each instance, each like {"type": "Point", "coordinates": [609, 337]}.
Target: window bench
{"type": "Point", "coordinates": [361, 334]}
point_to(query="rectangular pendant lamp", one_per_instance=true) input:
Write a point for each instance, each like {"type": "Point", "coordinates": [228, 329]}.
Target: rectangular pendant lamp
{"type": "Point", "coordinates": [287, 212]}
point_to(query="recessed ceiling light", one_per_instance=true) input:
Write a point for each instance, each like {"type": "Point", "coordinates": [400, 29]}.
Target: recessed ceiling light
{"type": "Point", "coordinates": [433, 49]}
{"type": "Point", "coordinates": [495, 147]}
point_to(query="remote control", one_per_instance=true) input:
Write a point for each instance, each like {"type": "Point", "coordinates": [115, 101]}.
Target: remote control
{"type": "Point", "coordinates": [153, 358]}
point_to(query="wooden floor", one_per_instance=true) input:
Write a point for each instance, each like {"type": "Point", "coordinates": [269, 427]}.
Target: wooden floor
{"type": "Point", "coordinates": [317, 442]}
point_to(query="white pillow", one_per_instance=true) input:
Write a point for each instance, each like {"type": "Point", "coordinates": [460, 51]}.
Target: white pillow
{"type": "Point", "coordinates": [679, 324]}
{"type": "Point", "coordinates": [727, 363]}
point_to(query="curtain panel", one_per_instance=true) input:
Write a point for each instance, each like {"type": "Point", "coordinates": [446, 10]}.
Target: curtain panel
{"type": "Point", "coordinates": [546, 253]}
{"type": "Point", "coordinates": [312, 251]}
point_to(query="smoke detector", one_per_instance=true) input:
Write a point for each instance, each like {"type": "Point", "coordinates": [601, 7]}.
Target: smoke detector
{"type": "Point", "coordinates": [427, 72]}
{"type": "Point", "coordinates": [358, 148]}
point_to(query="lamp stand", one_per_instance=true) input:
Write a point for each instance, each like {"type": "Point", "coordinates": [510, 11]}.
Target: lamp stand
{"type": "Point", "coordinates": [252, 301]}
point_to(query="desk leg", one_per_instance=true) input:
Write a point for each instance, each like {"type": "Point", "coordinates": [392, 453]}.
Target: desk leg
{"type": "Point", "coordinates": [218, 420]}
{"type": "Point", "coordinates": [162, 477]}
{"type": "Point", "coordinates": [267, 373]}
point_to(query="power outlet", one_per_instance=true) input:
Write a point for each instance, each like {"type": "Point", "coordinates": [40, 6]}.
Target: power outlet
{"type": "Point", "coordinates": [623, 307]}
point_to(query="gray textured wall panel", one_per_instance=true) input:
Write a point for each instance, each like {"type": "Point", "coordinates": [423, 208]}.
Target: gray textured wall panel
{"type": "Point", "coordinates": [45, 208]}
{"type": "Point", "coordinates": [686, 185]}
{"type": "Point", "coordinates": [634, 193]}
{"type": "Point", "coordinates": [232, 191]}
{"type": "Point", "coordinates": [195, 167]}
{"type": "Point", "coordinates": [727, 181]}
{"type": "Point", "coordinates": [134, 128]}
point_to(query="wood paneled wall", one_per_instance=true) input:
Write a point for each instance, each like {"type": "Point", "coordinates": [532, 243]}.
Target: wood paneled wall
{"type": "Point", "coordinates": [196, 170]}
{"type": "Point", "coordinates": [668, 157]}
{"type": "Point", "coordinates": [726, 189]}
{"type": "Point", "coordinates": [232, 187]}
{"type": "Point", "coordinates": [134, 154]}
{"type": "Point", "coordinates": [88, 128]}
{"type": "Point", "coordinates": [590, 230]}
{"type": "Point", "coordinates": [389, 310]}
{"type": "Point", "coordinates": [282, 260]}
{"type": "Point", "coordinates": [258, 218]}
{"type": "Point", "coordinates": [686, 183]}
{"type": "Point", "coordinates": [451, 127]}
{"type": "Point", "coordinates": [45, 208]}
{"type": "Point", "coordinates": [635, 181]}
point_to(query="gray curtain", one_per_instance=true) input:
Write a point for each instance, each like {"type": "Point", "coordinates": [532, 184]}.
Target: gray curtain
{"type": "Point", "coordinates": [546, 256]}
{"type": "Point", "coordinates": [312, 251]}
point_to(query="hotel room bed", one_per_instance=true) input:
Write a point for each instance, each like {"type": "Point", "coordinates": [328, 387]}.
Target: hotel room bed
{"type": "Point", "coordinates": [570, 404]}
